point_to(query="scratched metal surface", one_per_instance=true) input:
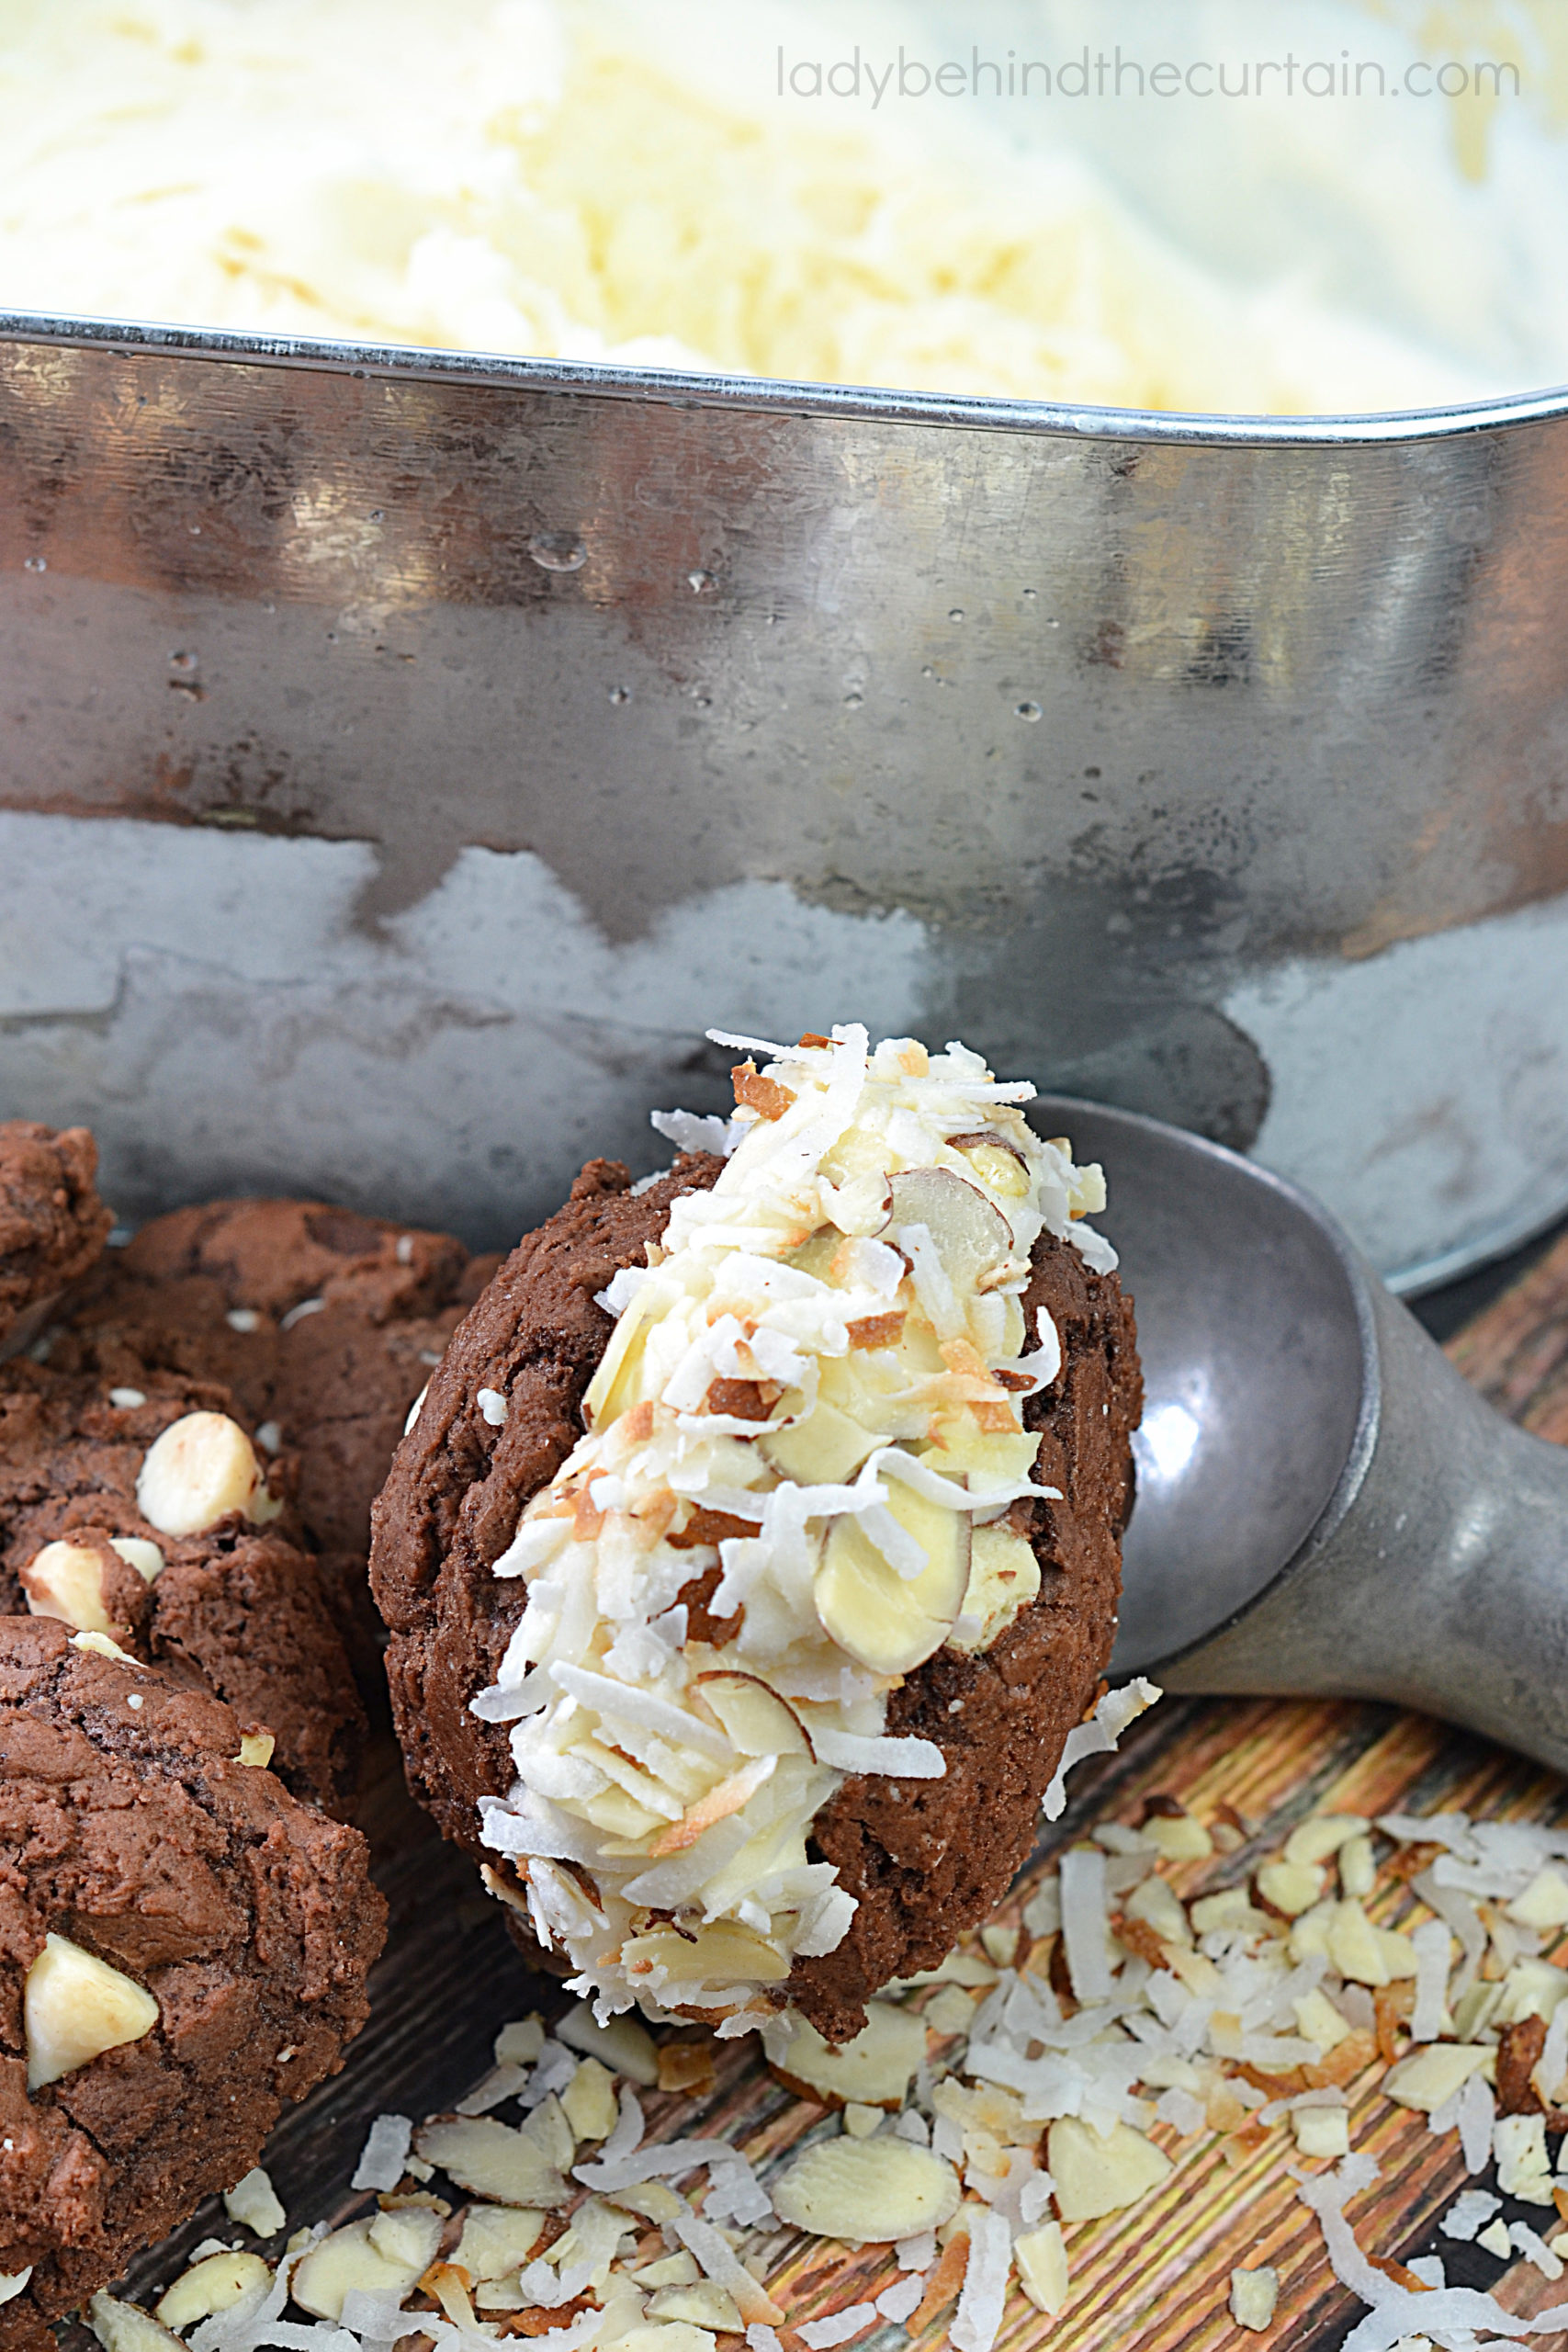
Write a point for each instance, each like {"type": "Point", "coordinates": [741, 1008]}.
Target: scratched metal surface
{"type": "Point", "coordinates": [401, 758]}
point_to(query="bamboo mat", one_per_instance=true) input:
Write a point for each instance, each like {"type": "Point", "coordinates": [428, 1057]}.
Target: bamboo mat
{"type": "Point", "coordinates": [1155, 2279]}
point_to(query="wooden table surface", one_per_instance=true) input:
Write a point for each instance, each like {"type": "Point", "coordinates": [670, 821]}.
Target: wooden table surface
{"type": "Point", "coordinates": [1155, 2279]}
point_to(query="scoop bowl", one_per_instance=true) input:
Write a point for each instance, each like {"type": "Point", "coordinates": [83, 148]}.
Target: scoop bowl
{"type": "Point", "coordinates": [1325, 1507]}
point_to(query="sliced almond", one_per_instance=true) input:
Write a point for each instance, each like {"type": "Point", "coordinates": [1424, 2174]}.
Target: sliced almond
{"type": "Point", "coordinates": [826, 1449]}
{"type": "Point", "coordinates": [1004, 1576]}
{"type": "Point", "coordinates": [1041, 2258]}
{"type": "Point", "coordinates": [1544, 1903]}
{"type": "Point", "coordinates": [126, 2328]}
{"type": "Point", "coordinates": [1318, 2020]}
{"type": "Point", "coordinates": [550, 2132]}
{"type": "Point", "coordinates": [1291, 1887]}
{"type": "Point", "coordinates": [721, 1954]}
{"type": "Point", "coordinates": [1358, 1870]}
{"type": "Point", "coordinates": [726, 1797]}
{"type": "Point", "coordinates": [704, 2304]}
{"type": "Point", "coordinates": [1254, 2294]}
{"type": "Point", "coordinates": [970, 1233]}
{"type": "Point", "coordinates": [875, 2069]}
{"type": "Point", "coordinates": [345, 2260]}
{"type": "Point", "coordinates": [754, 1719]}
{"type": "Point", "coordinates": [589, 2101]}
{"type": "Point", "coordinates": [1355, 1946]}
{"type": "Point", "coordinates": [201, 1469]}
{"type": "Point", "coordinates": [408, 2234]}
{"type": "Point", "coordinates": [623, 2044]}
{"type": "Point", "coordinates": [496, 2239]}
{"type": "Point", "coordinates": [884, 1621]}
{"type": "Point", "coordinates": [1178, 1837]}
{"type": "Point", "coordinates": [255, 1749]}
{"type": "Point", "coordinates": [492, 2160]}
{"type": "Point", "coordinates": [1095, 2176]}
{"type": "Point", "coordinates": [1321, 1834]}
{"type": "Point", "coordinates": [1155, 1902]}
{"type": "Point", "coordinates": [1430, 2075]}
{"type": "Point", "coordinates": [214, 2285]}
{"type": "Point", "coordinates": [1322, 2130]}
{"type": "Point", "coordinates": [613, 1386]}
{"type": "Point", "coordinates": [75, 2007]}
{"type": "Point", "coordinates": [866, 2191]}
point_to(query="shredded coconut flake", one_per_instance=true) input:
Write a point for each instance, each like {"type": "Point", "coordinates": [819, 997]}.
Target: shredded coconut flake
{"type": "Point", "coordinates": [385, 2154]}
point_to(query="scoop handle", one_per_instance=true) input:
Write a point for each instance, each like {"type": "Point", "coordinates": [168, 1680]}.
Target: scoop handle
{"type": "Point", "coordinates": [1437, 1576]}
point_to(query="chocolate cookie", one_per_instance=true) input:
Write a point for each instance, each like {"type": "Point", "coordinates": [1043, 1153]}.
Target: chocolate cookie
{"type": "Point", "coordinates": [144, 1514]}
{"type": "Point", "coordinates": [324, 1323]}
{"type": "Point", "coordinates": [185, 1950]}
{"type": "Point", "coordinates": [52, 1224]}
{"type": "Point", "coordinates": [923, 1858]}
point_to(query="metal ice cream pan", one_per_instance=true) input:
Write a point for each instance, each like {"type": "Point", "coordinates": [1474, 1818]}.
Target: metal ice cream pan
{"type": "Point", "coordinates": [406, 755]}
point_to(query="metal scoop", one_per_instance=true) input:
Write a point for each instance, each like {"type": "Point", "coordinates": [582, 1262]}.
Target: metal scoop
{"type": "Point", "coordinates": [1324, 1508]}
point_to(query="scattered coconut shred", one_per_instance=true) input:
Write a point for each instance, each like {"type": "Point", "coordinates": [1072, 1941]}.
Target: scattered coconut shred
{"type": "Point", "coordinates": [991, 2108]}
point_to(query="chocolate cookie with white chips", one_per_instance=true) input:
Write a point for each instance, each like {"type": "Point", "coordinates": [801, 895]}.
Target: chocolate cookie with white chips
{"type": "Point", "coordinates": [186, 1952]}
{"type": "Point", "coordinates": [146, 1518]}
{"type": "Point", "coordinates": [757, 1545]}
{"type": "Point", "coordinates": [52, 1224]}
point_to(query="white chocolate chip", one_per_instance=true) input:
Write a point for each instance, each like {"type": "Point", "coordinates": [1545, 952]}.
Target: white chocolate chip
{"type": "Point", "coordinates": [346, 2260]}
{"type": "Point", "coordinates": [242, 1318]}
{"type": "Point", "coordinates": [66, 1581]}
{"type": "Point", "coordinates": [138, 1553]}
{"type": "Point", "coordinates": [126, 1400]}
{"type": "Point", "coordinates": [492, 1405]}
{"type": "Point", "coordinates": [201, 1468]}
{"type": "Point", "coordinates": [75, 2007]}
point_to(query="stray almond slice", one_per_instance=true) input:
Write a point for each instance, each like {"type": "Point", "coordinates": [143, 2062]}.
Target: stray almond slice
{"type": "Point", "coordinates": [492, 2160]}
{"type": "Point", "coordinates": [201, 1469]}
{"type": "Point", "coordinates": [1041, 2258]}
{"type": "Point", "coordinates": [213, 2285]}
{"type": "Point", "coordinates": [344, 2261]}
{"type": "Point", "coordinates": [1430, 2075]}
{"type": "Point", "coordinates": [866, 2191]}
{"type": "Point", "coordinates": [75, 2007]}
{"type": "Point", "coordinates": [1095, 2176]}
{"type": "Point", "coordinates": [255, 1749]}
{"type": "Point", "coordinates": [704, 2303]}
{"type": "Point", "coordinates": [1291, 1888]}
{"type": "Point", "coordinates": [496, 2239]}
{"type": "Point", "coordinates": [874, 2069]}
{"type": "Point", "coordinates": [1254, 2294]}
{"type": "Point", "coordinates": [1321, 1834]}
{"type": "Point", "coordinates": [126, 2328]}
{"type": "Point", "coordinates": [589, 2101]}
